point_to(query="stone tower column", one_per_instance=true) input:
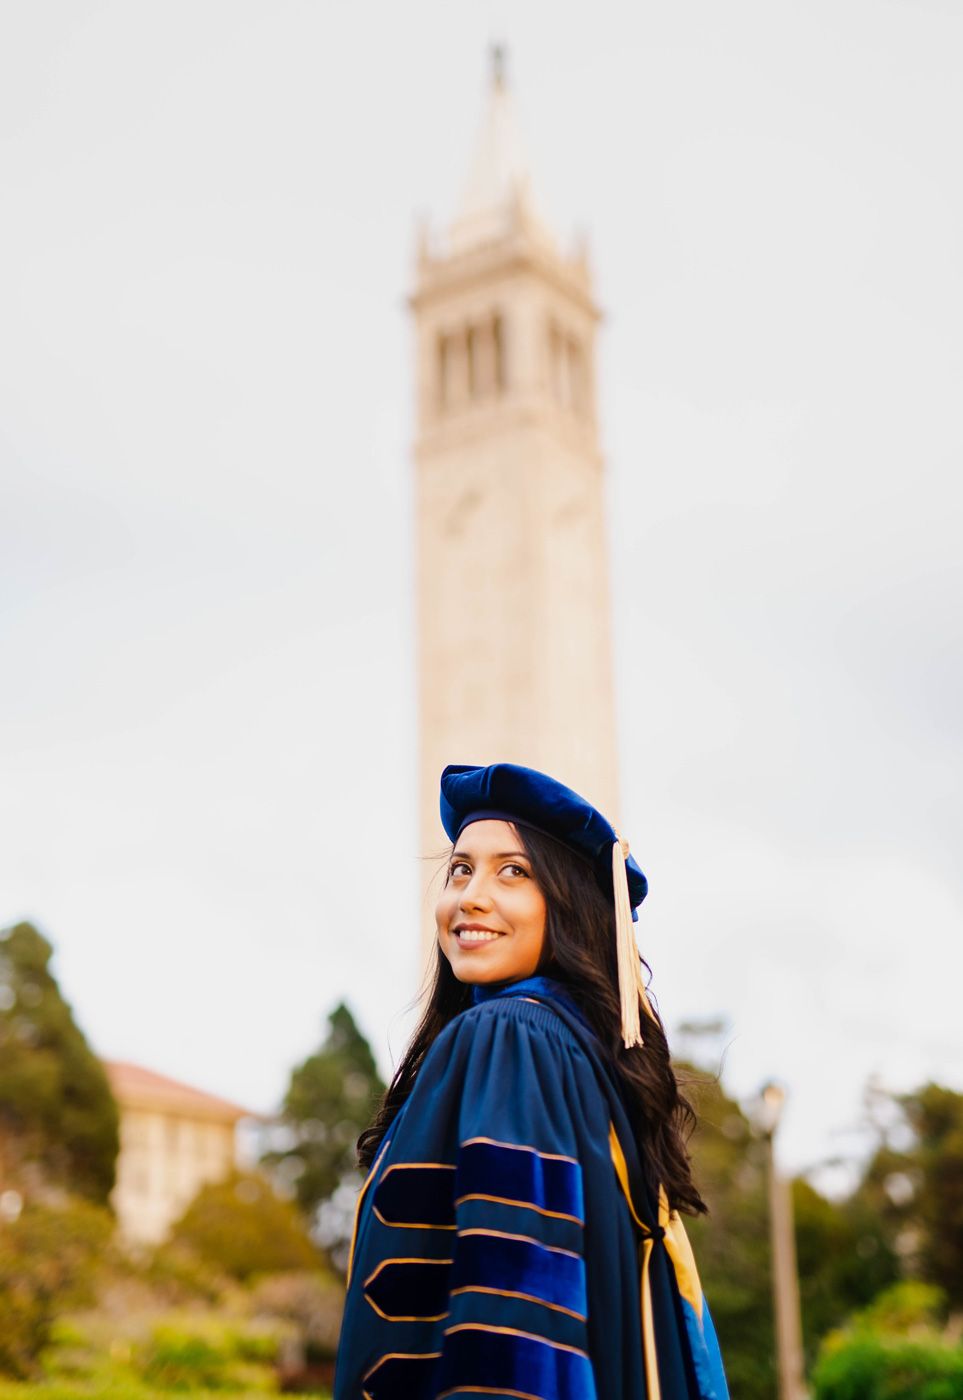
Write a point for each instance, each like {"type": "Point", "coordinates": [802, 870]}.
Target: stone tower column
{"type": "Point", "coordinates": [513, 603]}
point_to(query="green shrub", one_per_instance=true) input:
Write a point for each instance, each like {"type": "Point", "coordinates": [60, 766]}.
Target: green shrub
{"type": "Point", "coordinates": [241, 1227]}
{"type": "Point", "coordinates": [178, 1275]}
{"type": "Point", "coordinates": [870, 1368]}
{"type": "Point", "coordinates": [208, 1353]}
{"type": "Point", "coordinates": [176, 1360]}
{"type": "Point", "coordinates": [49, 1260]}
{"type": "Point", "coordinates": [892, 1350]}
{"type": "Point", "coordinates": [904, 1309]}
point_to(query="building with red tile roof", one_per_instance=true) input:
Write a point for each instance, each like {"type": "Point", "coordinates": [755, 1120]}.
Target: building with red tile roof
{"type": "Point", "coordinates": [174, 1139]}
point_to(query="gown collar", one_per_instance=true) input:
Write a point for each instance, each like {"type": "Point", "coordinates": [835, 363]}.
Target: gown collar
{"type": "Point", "coordinates": [529, 986]}
{"type": "Point", "coordinates": [545, 987]}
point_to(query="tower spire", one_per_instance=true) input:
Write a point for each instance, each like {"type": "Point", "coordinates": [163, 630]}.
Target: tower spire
{"type": "Point", "coordinates": [499, 178]}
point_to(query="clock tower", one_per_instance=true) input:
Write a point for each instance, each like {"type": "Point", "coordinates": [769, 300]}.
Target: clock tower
{"type": "Point", "coordinates": [514, 642]}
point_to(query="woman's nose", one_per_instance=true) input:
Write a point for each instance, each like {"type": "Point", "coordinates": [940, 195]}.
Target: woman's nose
{"type": "Point", "coordinates": [475, 894]}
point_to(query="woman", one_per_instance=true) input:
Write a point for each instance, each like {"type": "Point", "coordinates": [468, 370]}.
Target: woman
{"type": "Point", "coordinates": [518, 1232]}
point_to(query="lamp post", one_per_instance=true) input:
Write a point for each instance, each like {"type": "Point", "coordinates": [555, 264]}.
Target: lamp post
{"type": "Point", "coordinates": [785, 1274]}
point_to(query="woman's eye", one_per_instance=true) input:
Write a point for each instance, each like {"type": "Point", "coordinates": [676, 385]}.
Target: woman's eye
{"type": "Point", "coordinates": [514, 870]}
{"type": "Point", "coordinates": [459, 868]}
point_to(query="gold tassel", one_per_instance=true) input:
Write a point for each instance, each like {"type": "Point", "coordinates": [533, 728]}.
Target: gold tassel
{"type": "Point", "coordinates": [631, 987]}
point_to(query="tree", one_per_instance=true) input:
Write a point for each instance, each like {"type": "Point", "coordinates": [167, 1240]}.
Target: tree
{"type": "Point", "coordinates": [936, 1116]}
{"type": "Point", "coordinates": [845, 1257]}
{"type": "Point", "coordinates": [242, 1228]}
{"type": "Point", "coordinates": [918, 1188]}
{"type": "Point", "coordinates": [56, 1108]}
{"type": "Point", "coordinates": [331, 1098]}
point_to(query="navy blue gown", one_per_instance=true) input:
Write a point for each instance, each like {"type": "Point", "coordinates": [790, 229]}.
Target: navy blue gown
{"type": "Point", "coordinates": [506, 1244]}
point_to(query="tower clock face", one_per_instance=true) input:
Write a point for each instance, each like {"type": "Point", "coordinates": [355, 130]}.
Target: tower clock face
{"type": "Point", "coordinates": [572, 511]}
{"type": "Point", "coordinates": [459, 515]}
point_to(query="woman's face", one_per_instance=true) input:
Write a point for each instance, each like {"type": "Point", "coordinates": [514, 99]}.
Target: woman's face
{"type": "Point", "coordinates": [491, 914]}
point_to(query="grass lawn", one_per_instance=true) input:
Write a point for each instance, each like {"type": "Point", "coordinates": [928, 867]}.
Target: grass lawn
{"type": "Point", "coordinates": [117, 1388]}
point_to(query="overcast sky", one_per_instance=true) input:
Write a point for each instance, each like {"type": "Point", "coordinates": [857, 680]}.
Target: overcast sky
{"type": "Point", "coordinates": [207, 795]}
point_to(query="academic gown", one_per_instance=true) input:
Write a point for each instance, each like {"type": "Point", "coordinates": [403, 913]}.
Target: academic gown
{"type": "Point", "coordinates": [505, 1241]}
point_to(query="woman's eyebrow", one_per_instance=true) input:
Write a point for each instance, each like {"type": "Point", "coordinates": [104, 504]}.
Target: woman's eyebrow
{"type": "Point", "coordinates": [500, 855]}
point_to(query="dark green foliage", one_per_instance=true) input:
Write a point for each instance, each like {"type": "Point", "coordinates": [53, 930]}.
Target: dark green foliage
{"type": "Point", "coordinates": [56, 1108]}
{"type": "Point", "coordinates": [241, 1227]}
{"type": "Point", "coordinates": [48, 1264]}
{"type": "Point", "coordinates": [918, 1191]}
{"type": "Point", "coordinates": [732, 1245]}
{"type": "Point", "coordinates": [844, 1257]}
{"type": "Point", "coordinates": [936, 1116]}
{"type": "Point", "coordinates": [332, 1097]}
{"type": "Point", "coordinates": [893, 1350]}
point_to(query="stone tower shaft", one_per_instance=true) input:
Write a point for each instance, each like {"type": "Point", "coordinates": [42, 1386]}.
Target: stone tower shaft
{"type": "Point", "coordinates": [513, 602]}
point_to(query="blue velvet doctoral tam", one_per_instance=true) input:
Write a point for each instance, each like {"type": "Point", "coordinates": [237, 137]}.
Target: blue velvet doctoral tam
{"type": "Point", "coordinates": [512, 793]}
{"type": "Point", "coordinates": [506, 1244]}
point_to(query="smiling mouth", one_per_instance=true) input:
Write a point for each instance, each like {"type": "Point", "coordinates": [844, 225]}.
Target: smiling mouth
{"type": "Point", "coordinates": [476, 935]}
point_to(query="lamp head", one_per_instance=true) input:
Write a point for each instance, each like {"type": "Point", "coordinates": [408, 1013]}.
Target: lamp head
{"type": "Point", "coordinates": [771, 1102]}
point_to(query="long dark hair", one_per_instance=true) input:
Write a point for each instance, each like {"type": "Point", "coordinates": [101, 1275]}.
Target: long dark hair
{"type": "Point", "coordinates": [579, 954]}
